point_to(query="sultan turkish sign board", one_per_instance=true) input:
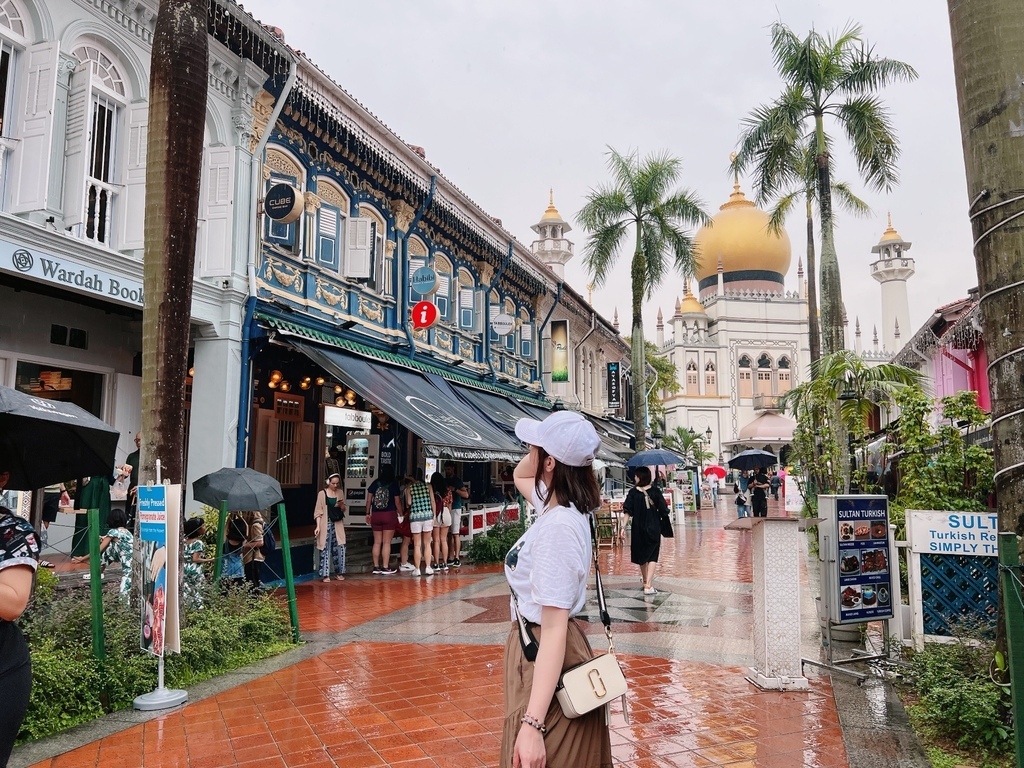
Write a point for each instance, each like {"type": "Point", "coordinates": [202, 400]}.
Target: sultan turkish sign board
{"type": "Point", "coordinates": [860, 556]}
{"type": "Point", "coordinates": [932, 532]}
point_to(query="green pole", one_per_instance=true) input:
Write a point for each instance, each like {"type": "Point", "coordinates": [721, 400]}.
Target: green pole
{"type": "Point", "coordinates": [289, 578]}
{"type": "Point", "coordinates": [219, 557]}
{"type": "Point", "coordinates": [1009, 561]}
{"type": "Point", "coordinates": [99, 645]}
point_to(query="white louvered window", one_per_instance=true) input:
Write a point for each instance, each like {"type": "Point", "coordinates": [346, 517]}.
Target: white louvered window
{"type": "Point", "coordinates": [415, 262]}
{"type": "Point", "coordinates": [442, 298]}
{"type": "Point", "coordinates": [7, 60]}
{"type": "Point", "coordinates": [328, 237]}
{"type": "Point", "coordinates": [467, 313]}
{"type": "Point", "coordinates": [526, 338]}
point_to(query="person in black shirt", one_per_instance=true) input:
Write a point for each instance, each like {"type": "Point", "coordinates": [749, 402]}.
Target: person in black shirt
{"type": "Point", "coordinates": [19, 557]}
{"type": "Point", "coordinates": [759, 485]}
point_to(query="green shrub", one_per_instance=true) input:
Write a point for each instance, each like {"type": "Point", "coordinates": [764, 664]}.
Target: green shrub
{"type": "Point", "coordinates": [957, 699]}
{"type": "Point", "coordinates": [70, 686]}
{"type": "Point", "coordinates": [65, 689]}
{"type": "Point", "coordinates": [495, 544]}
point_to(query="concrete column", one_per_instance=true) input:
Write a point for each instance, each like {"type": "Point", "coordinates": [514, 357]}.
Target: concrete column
{"type": "Point", "coordinates": [777, 605]}
{"type": "Point", "coordinates": [214, 415]}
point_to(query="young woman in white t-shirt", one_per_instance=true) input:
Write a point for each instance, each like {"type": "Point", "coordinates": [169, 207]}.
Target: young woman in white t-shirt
{"type": "Point", "coordinates": [547, 571]}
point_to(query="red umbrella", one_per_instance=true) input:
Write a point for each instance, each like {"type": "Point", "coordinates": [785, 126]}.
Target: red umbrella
{"type": "Point", "coordinates": [716, 470]}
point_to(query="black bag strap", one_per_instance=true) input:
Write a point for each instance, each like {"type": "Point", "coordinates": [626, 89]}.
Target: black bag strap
{"type": "Point", "coordinates": [526, 637]}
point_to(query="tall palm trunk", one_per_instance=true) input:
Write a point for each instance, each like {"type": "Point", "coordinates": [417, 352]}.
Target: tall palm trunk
{"type": "Point", "coordinates": [831, 291]}
{"type": "Point", "coordinates": [639, 357]}
{"type": "Point", "coordinates": [988, 59]}
{"type": "Point", "coordinates": [177, 117]}
{"type": "Point", "coordinates": [813, 325]}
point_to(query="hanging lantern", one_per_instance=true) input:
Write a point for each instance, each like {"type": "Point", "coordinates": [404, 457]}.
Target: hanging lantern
{"type": "Point", "coordinates": [276, 376]}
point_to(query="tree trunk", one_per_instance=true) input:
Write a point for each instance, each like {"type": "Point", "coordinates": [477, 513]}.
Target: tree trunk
{"type": "Point", "coordinates": [988, 59]}
{"type": "Point", "coordinates": [638, 363]}
{"type": "Point", "coordinates": [831, 291]}
{"type": "Point", "coordinates": [813, 326]}
{"type": "Point", "coordinates": [177, 118]}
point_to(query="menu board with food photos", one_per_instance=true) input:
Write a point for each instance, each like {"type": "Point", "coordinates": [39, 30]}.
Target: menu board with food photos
{"type": "Point", "coordinates": [864, 572]}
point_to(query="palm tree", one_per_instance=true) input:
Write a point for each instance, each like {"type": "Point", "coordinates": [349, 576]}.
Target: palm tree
{"type": "Point", "coordinates": [836, 77]}
{"type": "Point", "coordinates": [806, 190]}
{"type": "Point", "coordinates": [177, 118]}
{"type": "Point", "coordinates": [641, 197]}
{"type": "Point", "coordinates": [687, 444]}
{"type": "Point", "coordinates": [838, 402]}
{"type": "Point", "coordinates": [988, 58]}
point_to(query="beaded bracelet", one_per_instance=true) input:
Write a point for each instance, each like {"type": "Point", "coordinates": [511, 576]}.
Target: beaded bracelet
{"type": "Point", "coordinates": [533, 722]}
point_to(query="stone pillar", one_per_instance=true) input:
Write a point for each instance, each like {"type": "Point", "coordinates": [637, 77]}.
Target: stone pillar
{"type": "Point", "coordinates": [777, 605]}
{"type": "Point", "coordinates": [214, 413]}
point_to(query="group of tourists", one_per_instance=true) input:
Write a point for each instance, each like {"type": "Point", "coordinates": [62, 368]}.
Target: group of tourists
{"type": "Point", "coordinates": [426, 515]}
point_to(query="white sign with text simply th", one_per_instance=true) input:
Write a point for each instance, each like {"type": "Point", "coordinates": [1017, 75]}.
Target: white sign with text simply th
{"type": "Point", "coordinates": [935, 532]}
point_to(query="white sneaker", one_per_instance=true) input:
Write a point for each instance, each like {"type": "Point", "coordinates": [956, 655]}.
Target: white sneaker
{"type": "Point", "coordinates": [416, 572]}
{"type": "Point", "coordinates": [406, 567]}
{"type": "Point", "coordinates": [650, 591]}
{"type": "Point", "coordinates": [429, 571]}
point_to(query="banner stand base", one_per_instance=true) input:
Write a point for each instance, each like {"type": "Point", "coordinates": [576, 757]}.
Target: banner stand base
{"type": "Point", "coordinates": [161, 698]}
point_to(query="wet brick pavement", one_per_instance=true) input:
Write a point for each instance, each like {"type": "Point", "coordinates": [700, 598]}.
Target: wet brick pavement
{"type": "Point", "coordinates": [406, 672]}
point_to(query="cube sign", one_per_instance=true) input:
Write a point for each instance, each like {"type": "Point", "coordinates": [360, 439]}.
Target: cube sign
{"type": "Point", "coordinates": [283, 203]}
{"type": "Point", "coordinates": [424, 281]}
{"type": "Point", "coordinates": [424, 314]}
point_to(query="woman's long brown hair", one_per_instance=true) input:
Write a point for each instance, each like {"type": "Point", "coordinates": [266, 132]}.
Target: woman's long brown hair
{"type": "Point", "coordinates": [569, 485]}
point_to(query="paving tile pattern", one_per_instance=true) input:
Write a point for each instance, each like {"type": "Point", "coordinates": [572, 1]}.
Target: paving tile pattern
{"type": "Point", "coordinates": [412, 678]}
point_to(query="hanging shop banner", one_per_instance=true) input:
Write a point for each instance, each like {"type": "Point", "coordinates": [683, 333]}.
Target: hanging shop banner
{"type": "Point", "coordinates": [559, 350]}
{"type": "Point", "coordinates": [614, 393]}
{"type": "Point", "coordinates": [932, 532]}
{"type": "Point", "coordinates": [863, 572]}
{"type": "Point", "coordinates": [159, 512]}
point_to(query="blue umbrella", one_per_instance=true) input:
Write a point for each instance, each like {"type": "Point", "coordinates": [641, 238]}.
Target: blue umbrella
{"type": "Point", "coordinates": [655, 457]}
{"type": "Point", "coordinates": [753, 458]}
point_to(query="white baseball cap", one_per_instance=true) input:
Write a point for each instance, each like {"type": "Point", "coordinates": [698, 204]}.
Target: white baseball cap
{"type": "Point", "coordinates": [565, 435]}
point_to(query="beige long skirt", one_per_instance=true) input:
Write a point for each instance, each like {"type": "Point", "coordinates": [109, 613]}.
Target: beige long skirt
{"type": "Point", "coordinates": [581, 742]}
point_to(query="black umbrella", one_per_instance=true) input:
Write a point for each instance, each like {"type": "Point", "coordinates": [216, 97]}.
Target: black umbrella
{"type": "Point", "coordinates": [243, 489]}
{"type": "Point", "coordinates": [654, 457]}
{"type": "Point", "coordinates": [753, 458]}
{"type": "Point", "coordinates": [43, 441]}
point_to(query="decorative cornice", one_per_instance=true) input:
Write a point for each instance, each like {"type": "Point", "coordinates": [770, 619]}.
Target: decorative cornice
{"type": "Point", "coordinates": [133, 16]}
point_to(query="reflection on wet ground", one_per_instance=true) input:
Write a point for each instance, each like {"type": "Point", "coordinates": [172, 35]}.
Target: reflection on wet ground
{"type": "Point", "coordinates": [410, 676]}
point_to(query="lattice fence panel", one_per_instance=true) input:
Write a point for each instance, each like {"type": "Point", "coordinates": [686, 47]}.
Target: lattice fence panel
{"type": "Point", "coordinates": [958, 588]}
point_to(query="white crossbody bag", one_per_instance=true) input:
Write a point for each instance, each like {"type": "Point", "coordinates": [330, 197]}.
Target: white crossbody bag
{"type": "Point", "coordinates": [590, 684]}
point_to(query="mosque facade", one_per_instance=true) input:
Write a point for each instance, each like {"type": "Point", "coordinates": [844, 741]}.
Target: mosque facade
{"type": "Point", "coordinates": [741, 342]}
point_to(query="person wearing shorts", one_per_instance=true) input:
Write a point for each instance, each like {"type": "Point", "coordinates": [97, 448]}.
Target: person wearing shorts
{"type": "Point", "coordinates": [459, 492]}
{"type": "Point", "coordinates": [383, 506]}
{"type": "Point", "coordinates": [419, 505]}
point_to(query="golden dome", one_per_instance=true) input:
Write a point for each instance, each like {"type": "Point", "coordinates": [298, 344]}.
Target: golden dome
{"type": "Point", "coordinates": [690, 304]}
{"type": "Point", "coordinates": [890, 235]}
{"type": "Point", "coordinates": [739, 237]}
{"type": "Point", "coordinates": [551, 214]}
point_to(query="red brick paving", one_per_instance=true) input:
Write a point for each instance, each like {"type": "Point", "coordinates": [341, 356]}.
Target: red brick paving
{"type": "Point", "coordinates": [372, 704]}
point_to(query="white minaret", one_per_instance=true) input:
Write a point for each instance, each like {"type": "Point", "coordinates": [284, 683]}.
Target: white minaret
{"type": "Point", "coordinates": [552, 248]}
{"type": "Point", "coordinates": [892, 269]}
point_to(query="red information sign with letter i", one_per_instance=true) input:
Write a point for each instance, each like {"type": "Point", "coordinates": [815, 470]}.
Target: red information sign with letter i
{"type": "Point", "coordinates": [424, 314]}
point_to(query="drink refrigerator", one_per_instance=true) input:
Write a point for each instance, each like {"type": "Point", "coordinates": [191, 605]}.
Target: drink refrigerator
{"type": "Point", "coordinates": [361, 455]}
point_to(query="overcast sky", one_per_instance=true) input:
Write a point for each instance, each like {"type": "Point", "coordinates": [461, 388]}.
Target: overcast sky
{"type": "Point", "coordinates": [511, 98]}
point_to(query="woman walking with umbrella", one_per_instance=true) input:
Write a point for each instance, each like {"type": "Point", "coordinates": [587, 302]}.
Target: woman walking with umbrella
{"type": "Point", "coordinates": [646, 506]}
